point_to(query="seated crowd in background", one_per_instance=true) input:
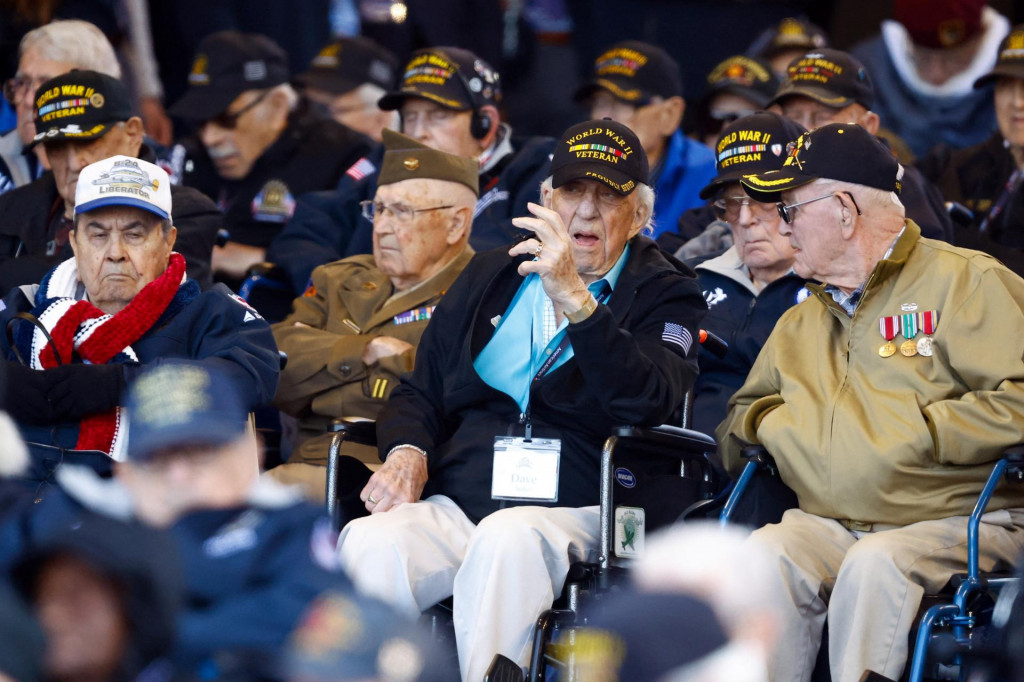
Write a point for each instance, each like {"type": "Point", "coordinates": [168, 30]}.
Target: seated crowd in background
{"type": "Point", "coordinates": [497, 303]}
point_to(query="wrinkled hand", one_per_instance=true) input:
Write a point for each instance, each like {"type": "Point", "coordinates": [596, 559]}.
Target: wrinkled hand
{"type": "Point", "coordinates": [400, 479]}
{"type": "Point", "coordinates": [25, 394]}
{"type": "Point", "coordinates": [78, 390]}
{"type": "Point", "coordinates": [382, 347]}
{"type": "Point", "coordinates": [555, 265]}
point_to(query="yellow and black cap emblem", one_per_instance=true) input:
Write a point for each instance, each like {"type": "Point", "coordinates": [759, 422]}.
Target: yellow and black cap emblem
{"type": "Point", "coordinates": [605, 151]}
{"type": "Point", "coordinates": [79, 105]}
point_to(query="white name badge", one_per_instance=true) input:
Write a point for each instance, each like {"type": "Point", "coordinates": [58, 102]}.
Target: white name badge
{"type": "Point", "coordinates": [526, 470]}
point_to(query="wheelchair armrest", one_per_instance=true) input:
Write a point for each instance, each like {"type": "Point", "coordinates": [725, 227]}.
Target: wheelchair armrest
{"type": "Point", "coordinates": [677, 441]}
{"type": "Point", "coordinates": [356, 429]}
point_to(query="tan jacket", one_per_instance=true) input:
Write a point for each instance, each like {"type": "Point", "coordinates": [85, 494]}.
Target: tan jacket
{"type": "Point", "coordinates": [347, 306]}
{"type": "Point", "coordinates": [900, 439]}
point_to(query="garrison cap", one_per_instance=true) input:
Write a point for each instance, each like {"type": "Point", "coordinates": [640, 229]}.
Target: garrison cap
{"type": "Point", "coordinates": [838, 151]}
{"type": "Point", "coordinates": [407, 159]}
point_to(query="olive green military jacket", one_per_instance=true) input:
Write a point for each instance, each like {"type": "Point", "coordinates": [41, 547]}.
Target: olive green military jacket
{"type": "Point", "coordinates": [349, 303]}
{"type": "Point", "coordinates": [897, 439]}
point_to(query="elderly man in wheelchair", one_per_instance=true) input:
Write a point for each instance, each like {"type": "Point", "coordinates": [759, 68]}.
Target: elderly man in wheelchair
{"type": "Point", "coordinates": [885, 399]}
{"type": "Point", "coordinates": [489, 485]}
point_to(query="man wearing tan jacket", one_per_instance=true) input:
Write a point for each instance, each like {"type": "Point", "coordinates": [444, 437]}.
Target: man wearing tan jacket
{"type": "Point", "coordinates": [885, 398]}
{"type": "Point", "coordinates": [355, 329]}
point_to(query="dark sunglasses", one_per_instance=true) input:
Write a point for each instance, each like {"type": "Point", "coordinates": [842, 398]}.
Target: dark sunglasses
{"type": "Point", "coordinates": [229, 120]}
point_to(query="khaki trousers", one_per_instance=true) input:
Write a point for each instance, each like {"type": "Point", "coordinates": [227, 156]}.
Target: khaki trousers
{"type": "Point", "coordinates": [503, 573]}
{"type": "Point", "coordinates": [869, 585]}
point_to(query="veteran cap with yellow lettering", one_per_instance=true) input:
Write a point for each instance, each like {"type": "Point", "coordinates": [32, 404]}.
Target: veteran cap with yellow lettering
{"type": "Point", "coordinates": [79, 105]}
{"type": "Point", "coordinates": [605, 151]}
{"type": "Point", "coordinates": [829, 77]}
{"type": "Point", "coordinates": [634, 72]}
{"type": "Point", "coordinates": [838, 151]}
{"type": "Point", "coordinates": [450, 76]}
{"type": "Point", "coordinates": [407, 159]}
{"type": "Point", "coordinates": [752, 144]}
{"type": "Point", "coordinates": [1010, 62]}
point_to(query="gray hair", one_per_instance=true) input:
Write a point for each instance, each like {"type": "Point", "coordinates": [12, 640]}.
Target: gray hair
{"type": "Point", "coordinates": [866, 197]}
{"type": "Point", "coordinates": [75, 42]}
{"type": "Point", "coordinates": [149, 218]}
{"type": "Point", "coordinates": [644, 193]}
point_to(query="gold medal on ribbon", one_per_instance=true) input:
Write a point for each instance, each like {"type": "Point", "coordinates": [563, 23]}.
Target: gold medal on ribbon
{"type": "Point", "coordinates": [908, 348]}
{"type": "Point", "coordinates": [888, 327]}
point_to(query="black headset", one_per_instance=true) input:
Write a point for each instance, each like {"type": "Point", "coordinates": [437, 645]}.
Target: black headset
{"type": "Point", "coordinates": [480, 123]}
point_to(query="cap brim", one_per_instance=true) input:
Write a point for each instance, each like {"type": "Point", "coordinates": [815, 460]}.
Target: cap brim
{"type": "Point", "coordinates": [202, 104]}
{"type": "Point", "coordinates": [393, 100]}
{"type": "Point", "coordinates": [211, 430]}
{"type": "Point", "coordinates": [819, 95]}
{"type": "Point", "coordinates": [121, 201]}
{"type": "Point", "coordinates": [622, 91]}
{"type": "Point", "coordinates": [761, 99]}
{"type": "Point", "coordinates": [724, 179]}
{"type": "Point", "coordinates": [768, 187]}
{"type": "Point", "coordinates": [327, 81]}
{"type": "Point", "coordinates": [54, 134]}
{"type": "Point", "coordinates": [598, 172]}
{"type": "Point", "coordinates": [1000, 71]}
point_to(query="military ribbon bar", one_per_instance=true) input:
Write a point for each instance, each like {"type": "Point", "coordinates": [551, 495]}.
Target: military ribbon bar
{"type": "Point", "coordinates": [889, 327]}
{"type": "Point", "coordinates": [928, 320]}
{"type": "Point", "coordinates": [909, 324]}
{"type": "Point", "coordinates": [415, 315]}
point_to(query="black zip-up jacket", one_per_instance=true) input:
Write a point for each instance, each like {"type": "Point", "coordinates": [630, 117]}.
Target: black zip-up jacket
{"type": "Point", "coordinates": [311, 154]}
{"type": "Point", "coordinates": [623, 371]}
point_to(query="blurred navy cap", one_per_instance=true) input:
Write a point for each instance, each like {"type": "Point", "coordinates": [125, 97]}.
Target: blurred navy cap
{"type": "Point", "coordinates": [182, 403]}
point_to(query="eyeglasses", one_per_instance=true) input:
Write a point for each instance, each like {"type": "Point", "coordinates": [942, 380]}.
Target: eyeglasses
{"type": "Point", "coordinates": [728, 208]}
{"type": "Point", "coordinates": [789, 215]}
{"type": "Point", "coordinates": [229, 121]}
{"type": "Point", "coordinates": [401, 212]}
{"type": "Point", "coordinates": [17, 87]}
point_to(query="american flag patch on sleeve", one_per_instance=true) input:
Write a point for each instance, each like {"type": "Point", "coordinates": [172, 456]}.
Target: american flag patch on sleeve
{"type": "Point", "coordinates": [360, 169]}
{"type": "Point", "coordinates": [677, 334]}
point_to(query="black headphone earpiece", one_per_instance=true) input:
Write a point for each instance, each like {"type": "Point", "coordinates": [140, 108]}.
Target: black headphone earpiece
{"type": "Point", "coordinates": [479, 124]}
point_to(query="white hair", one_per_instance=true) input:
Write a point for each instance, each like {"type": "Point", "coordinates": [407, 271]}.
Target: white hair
{"type": "Point", "coordinates": [865, 196]}
{"type": "Point", "coordinates": [715, 563]}
{"type": "Point", "coordinates": [76, 42]}
{"type": "Point", "coordinates": [370, 93]}
{"type": "Point", "coordinates": [291, 96]}
{"type": "Point", "coordinates": [645, 194]}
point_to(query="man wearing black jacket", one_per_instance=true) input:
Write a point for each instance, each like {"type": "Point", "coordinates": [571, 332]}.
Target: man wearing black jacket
{"type": "Point", "coordinates": [258, 144]}
{"type": "Point", "coordinates": [531, 358]}
{"type": "Point", "coordinates": [78, 129]}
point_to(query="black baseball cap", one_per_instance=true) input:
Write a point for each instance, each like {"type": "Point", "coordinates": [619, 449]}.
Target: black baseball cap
{"type": "Point", "coordinates": [227, 64]}
{"type": "Point", "coordinates": [747, 77]}
{"type": "Point", "coordinates": [634, 72]}
{"type": "Point", "coordinates": [79, 105]}
{"type": "Point", "coordinates": [604, 151]}
{"type": "Point", "coordinates": [830, 77]}
{"type": "Point", "coordinates": [838, 151]}
{"type": "Point", "coordinates": [450, 76]}
{"type": "Point", "coordinates": [789, 34]}
{"type": "Point", "coordinates": [752, 144]}
{"type": "Point", "coordinates": [1010, 62]}
{"type": "Point", "coordinates": [346, 63]}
